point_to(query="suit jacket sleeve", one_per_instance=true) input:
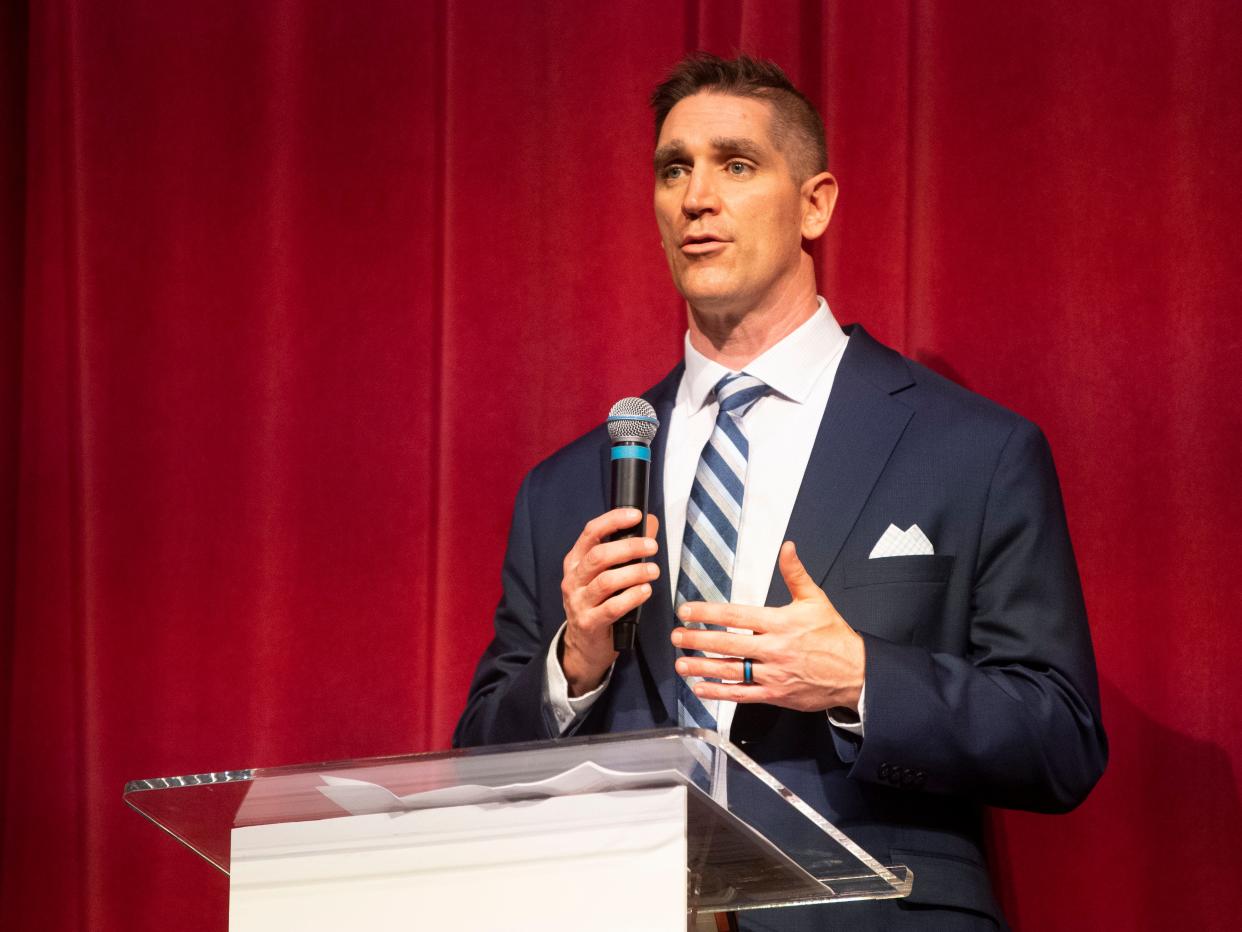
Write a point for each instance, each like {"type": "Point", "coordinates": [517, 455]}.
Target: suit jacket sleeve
{"type": "Point", "coordinates": [1015, 722]}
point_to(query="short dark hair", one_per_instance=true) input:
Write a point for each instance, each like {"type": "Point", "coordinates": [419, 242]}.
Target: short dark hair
{"type": "Point", "coordinates": [797, 129]}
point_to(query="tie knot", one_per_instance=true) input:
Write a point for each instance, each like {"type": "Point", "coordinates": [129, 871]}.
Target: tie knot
{"type": "Point", "coordinates": [736, 392]}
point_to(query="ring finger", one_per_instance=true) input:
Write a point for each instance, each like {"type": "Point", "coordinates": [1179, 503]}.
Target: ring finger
{"type": "Point", "coordinates": [726, 669]}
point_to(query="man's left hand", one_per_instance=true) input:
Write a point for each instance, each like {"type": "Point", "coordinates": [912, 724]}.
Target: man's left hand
{"type": "Point", "coordinates": [803, 655]}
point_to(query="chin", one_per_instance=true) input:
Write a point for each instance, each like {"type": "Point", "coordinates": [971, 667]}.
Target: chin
{"type": "Point", "coordinates": [706, 291]}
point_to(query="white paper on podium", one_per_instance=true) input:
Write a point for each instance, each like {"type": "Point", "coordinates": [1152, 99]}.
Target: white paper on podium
{"type": "Point", "coordinates": [612, 860]}
{"type": "Point", "coordinates": [362, 798]}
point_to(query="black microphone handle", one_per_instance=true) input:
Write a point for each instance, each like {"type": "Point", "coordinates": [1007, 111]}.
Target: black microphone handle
{"type": "Point", "coordinates": [631, 477]}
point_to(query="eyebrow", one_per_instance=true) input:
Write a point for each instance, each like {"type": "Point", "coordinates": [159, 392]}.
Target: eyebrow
{"type": "Point", "coordinates": [738, 145]}
{"type": "Point", "coordinates": [674, 149]}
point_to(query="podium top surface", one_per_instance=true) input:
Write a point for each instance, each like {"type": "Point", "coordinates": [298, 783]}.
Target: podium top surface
{"type": "Point", "coordinates": [752, 842]}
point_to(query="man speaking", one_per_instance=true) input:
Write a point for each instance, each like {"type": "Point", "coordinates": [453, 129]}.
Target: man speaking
{"type": "Point", "coordinates": [862, 574]}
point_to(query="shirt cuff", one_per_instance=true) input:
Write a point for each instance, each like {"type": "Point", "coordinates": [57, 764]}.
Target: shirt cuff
{"type": "Point", "coordinates": [566, 710]}
{"type": "Point", "coordinates": [846, 719]}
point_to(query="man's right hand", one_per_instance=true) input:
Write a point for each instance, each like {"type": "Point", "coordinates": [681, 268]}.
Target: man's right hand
{"type": "Point", "coordinates": [596, 591]}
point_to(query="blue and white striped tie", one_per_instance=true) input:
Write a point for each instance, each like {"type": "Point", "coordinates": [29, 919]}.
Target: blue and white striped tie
{"type": "Point", "coordinates": [713, 516]}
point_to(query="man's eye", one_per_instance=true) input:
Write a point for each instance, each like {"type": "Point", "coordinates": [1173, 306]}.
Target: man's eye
{"type": "Point", "coordinates": [673, 172]}
{"type": "Point", "coordinates": [738, 168]}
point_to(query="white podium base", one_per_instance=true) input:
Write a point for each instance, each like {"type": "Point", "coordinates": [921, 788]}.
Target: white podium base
{"type": "Point", "coordinates": [610, 861]}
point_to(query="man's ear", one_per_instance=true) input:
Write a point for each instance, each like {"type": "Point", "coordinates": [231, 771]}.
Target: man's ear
{"type": "Point", "coordinates": [819, 197]}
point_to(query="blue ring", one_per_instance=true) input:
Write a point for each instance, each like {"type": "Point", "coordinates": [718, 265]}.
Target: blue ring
{"type": "Point", "coordinates": [748, 672]}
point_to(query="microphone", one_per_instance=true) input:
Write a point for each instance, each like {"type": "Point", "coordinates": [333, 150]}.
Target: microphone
{"type": "Point", "coordinates": [632, 425]}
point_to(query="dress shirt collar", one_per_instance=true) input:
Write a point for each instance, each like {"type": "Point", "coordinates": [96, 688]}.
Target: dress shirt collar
{"type": "Point", "coordinates": [790, 368]}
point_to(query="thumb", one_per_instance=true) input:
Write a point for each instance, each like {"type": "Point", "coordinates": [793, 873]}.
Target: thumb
{"type": "Point", "coordinates": [801, 585]}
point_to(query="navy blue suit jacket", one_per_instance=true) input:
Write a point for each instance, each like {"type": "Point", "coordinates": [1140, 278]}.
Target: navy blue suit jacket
{"type": "Point", "coordinates": [981, 685]}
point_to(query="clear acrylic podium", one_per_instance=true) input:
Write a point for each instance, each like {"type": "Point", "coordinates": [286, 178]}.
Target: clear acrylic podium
{"type": "Point", "coordinates": [746, 841]}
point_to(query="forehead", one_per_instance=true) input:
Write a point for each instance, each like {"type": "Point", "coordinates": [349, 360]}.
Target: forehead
{"type": "Point", "coordinates": [704, 116]}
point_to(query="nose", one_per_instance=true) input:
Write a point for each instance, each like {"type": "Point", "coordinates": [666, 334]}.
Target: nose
{"type": "Point", "coordinates": [701, 196]}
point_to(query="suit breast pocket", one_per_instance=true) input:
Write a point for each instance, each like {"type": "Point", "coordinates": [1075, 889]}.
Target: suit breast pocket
{"type": "Point", "coordinates": [892, 597]}
{"type": "Point", "coordinates": [884, 570]}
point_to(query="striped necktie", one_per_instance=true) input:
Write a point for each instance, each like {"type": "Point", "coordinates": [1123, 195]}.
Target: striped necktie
{"type": "Point", "coordinates": [713, 516]}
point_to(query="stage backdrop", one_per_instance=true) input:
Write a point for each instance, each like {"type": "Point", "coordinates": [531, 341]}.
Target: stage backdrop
{"type": "Point", "coordinates": [294, 293]}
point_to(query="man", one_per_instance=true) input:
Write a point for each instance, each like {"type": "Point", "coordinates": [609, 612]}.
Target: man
{"type": "Point", "coordinates": [887, 551]}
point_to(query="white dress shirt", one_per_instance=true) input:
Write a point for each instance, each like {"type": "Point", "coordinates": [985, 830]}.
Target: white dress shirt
{"type": "Point", "coordinates": [781, 428]}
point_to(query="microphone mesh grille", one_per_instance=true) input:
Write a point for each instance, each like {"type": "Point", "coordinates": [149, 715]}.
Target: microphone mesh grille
{"type": "Point", "coordinates": [632, 419]}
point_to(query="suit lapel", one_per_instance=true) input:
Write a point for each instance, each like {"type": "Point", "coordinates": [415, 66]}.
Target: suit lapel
{"type": "Point", "coordinates": [861, 425]}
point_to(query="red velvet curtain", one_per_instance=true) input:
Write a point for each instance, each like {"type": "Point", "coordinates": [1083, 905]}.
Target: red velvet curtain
{"type": "Point", "coordinates": [294, 293]}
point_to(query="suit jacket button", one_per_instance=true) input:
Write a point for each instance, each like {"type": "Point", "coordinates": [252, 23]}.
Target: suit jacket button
{"type": "Point", "coordinates": [884, 771]}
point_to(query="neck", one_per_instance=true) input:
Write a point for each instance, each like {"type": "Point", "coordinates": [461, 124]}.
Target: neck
{"type": "Point", "coordinates": [735, 337]}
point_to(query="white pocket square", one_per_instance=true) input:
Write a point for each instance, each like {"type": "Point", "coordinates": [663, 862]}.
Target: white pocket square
{"type": "Point", "coordinates": [895, 542]}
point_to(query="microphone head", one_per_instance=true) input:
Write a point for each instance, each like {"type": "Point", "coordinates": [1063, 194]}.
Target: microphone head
{"type": "Point", "coordinates": [632, 420]}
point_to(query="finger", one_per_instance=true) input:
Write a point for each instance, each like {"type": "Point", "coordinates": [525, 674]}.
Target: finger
{"type": "Point", "coordinates": [604, 556]}
{"type": "Point", "coordinates": [801, 585]}
{"type": "Point", "coordinates": [751, 617]}
{"type": "Point", "coordinates": [601, 617]}
{"type": "Point", "coordinates": [614, 580]}
{"type": "Point", "coordinates": [719, 642]}
{"type": "Point", "coordinates": [621, 603]}
{"type": "Point", "coordinates": [735, 692]}
{"type": "Point", "coordinates": [598, 530]}
{"type": "Point", "coordinates": [715, 668]}
{"type": "Point", "coordinates": [653, 526]}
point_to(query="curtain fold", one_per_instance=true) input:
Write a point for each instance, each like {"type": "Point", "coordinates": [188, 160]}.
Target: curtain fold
{"type": "Point", "coordinates": [13, 34]}
{"type": "Point", "coordinates": [293, 294]}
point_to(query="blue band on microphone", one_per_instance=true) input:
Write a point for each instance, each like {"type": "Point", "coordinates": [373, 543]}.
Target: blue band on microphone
{"type": "Point", "coordinates": [631, 452]}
